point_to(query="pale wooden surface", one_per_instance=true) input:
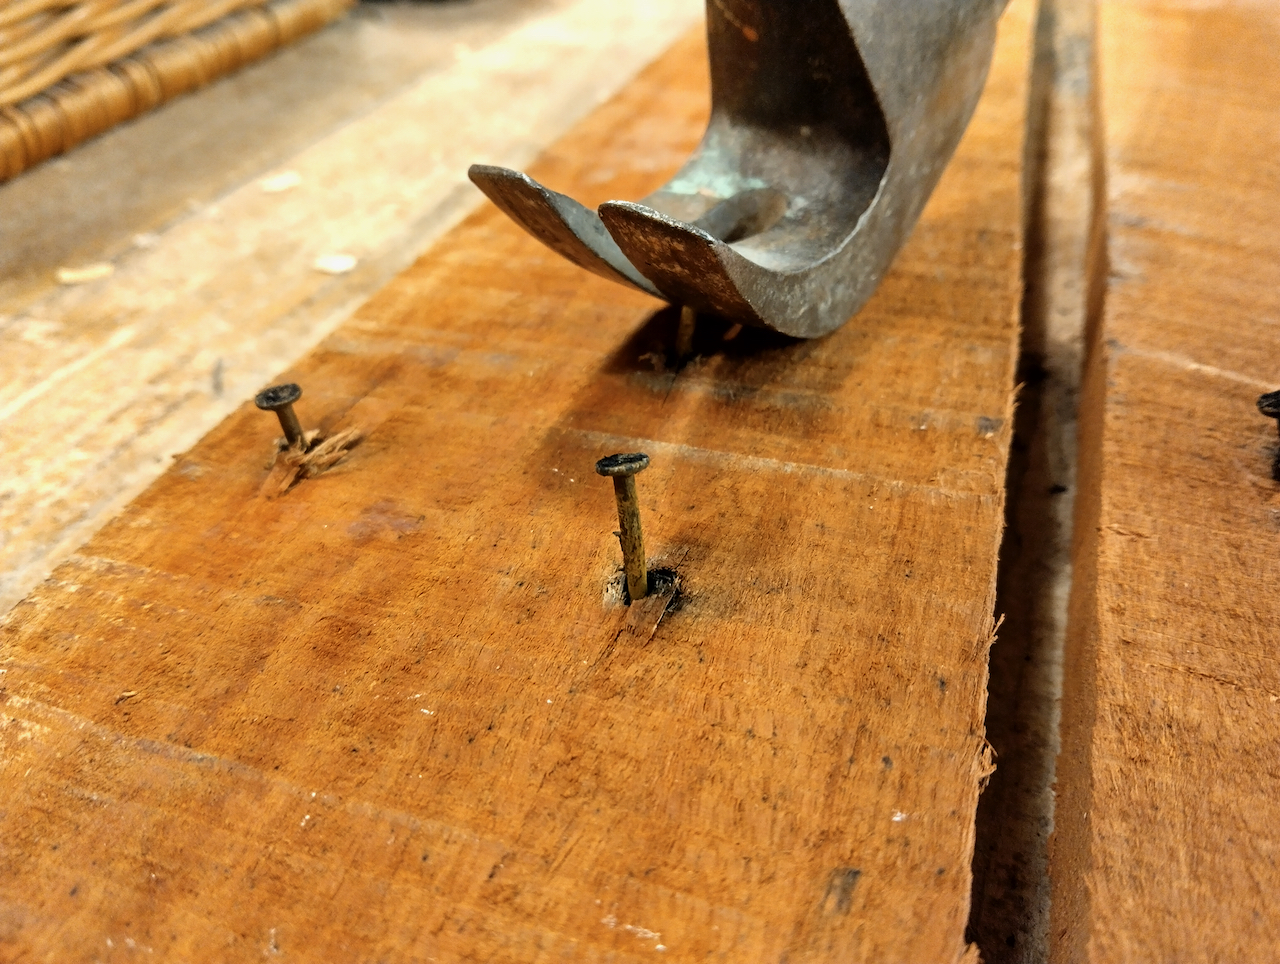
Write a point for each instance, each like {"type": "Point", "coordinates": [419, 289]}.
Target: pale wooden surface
{"type": "Point", "coordinates": [1168, 828]}
{"type": "Point", "coordinates": [379, 118]}
{"type": "Point", "coordinates": [397, 713]}
{"type": "Point", "coordinates": [1011, 902]}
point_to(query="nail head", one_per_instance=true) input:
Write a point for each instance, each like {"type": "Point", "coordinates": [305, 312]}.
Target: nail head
{"type": "Point", "coordinates": [277, 397]}
{"type": "Point", "coordinates": [1269, 404]}
{"type": "Point", "coordinates": [623, 464]}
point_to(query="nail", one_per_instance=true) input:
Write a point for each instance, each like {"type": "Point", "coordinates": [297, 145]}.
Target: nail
{"type": "Point", "coordinates": [622, 469]}
{"type": "Point", "coordinates": [280, 399]}
{"type": "Point", "coordinates": [684, 333]}
{"type": "Point", "coordinates": [1269, 405]}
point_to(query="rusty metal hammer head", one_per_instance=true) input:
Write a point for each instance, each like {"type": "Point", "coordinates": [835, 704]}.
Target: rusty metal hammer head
{"type": "Point", "coordinates": [831, 122]}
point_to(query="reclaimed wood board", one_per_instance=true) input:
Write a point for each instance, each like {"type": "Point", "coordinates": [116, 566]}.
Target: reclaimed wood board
{"type": "Point", "coordinates": [401, 713]}
{"type": "Point", "coordinates": [1167, 839]}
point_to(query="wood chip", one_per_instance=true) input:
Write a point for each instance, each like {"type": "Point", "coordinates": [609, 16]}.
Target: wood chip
{"type": "Point", "coordinates": [335, 263]}
{"type": "Point", "coordinates": [278, 183]}
{"type": "Point", "coordinates": [86, 273]}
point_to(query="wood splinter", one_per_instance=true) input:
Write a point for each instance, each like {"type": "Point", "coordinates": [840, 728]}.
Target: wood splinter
{"type": "Point", "coordinates": [312, 457]}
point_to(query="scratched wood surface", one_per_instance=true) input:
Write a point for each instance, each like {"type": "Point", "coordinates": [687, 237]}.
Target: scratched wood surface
{"type": "Point", "coordinates": [400, 713]}
{"type": "Point", "coordinates": [1168, 829]}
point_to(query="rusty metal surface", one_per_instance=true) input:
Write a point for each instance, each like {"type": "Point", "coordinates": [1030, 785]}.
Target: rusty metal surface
{"type": "Point", "coordinates": [831, 122]}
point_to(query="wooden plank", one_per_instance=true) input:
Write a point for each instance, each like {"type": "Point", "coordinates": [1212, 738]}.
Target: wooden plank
{"type": "Point", "coordinates": [1168, 829]}
{"type": "Point", "coordinates": [224, 293]}
{"type": "Point", "coordinates": [400, 712]}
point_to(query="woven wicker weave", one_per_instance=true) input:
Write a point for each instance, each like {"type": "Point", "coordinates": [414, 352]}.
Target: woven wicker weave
{"type": "Point", "coordinates": [71, 69]}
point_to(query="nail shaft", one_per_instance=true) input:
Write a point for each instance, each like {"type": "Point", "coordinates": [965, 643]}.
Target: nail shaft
{"type": "Point", "coordinates": [622, 469]}
{"type": "Point", "coordinates": [684, 333]}
{"type": "Point", "coordinates": [290, 424]}
{"type": "Point", "coordinates": [631, 536]}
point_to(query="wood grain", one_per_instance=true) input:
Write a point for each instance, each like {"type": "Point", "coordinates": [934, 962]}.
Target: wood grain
{"type": "Point", "coordinates": [1167, 823]}
{"type": "Point", "coordinates": [399, 713]}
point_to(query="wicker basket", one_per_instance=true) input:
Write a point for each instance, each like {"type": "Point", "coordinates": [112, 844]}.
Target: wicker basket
{"type": "Point", "coordinates": [70, 69]}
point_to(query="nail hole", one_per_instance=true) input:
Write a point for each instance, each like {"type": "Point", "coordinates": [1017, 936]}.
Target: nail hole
{"type": "Point", "coordinates": [662, 580]}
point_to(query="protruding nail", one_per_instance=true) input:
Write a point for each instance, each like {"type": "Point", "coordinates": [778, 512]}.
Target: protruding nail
{"type": "Point", "coordinates": [622, 469]}
{"type": "Point", "coordinates": [684, 333]}
{"type": "Point", "coordinates": [1269, 405]}
{"type": "Point", "coordinates": [280, 399]}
